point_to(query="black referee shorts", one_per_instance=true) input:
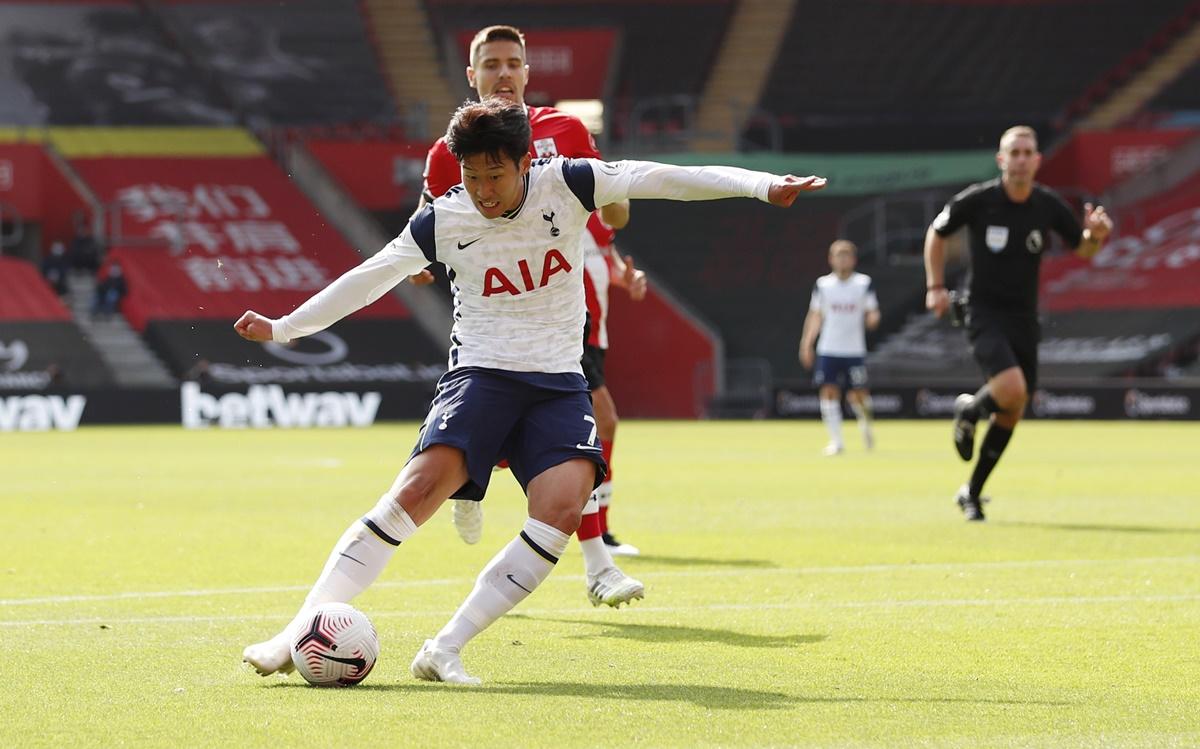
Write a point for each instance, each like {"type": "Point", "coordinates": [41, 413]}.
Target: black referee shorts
{"type": "Point", "coordinates": [1000, 341]}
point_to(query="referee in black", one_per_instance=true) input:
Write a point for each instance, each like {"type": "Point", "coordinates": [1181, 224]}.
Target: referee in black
{"type": "Point", "coordinates": [1009, 219]}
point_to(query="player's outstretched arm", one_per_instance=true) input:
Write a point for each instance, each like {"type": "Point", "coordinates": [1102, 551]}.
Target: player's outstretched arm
{"type": "Point", "coordinates": [648, 179]}
{"type": "Point", "coordinates": [353, 290]}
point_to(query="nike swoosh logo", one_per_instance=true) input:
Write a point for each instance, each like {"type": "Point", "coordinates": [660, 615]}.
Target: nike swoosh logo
{"type": "Point", "coordinates": [462, 246]}
{"type": "Point", "coordinates": [588, 447]}
{"type": "Point", "coordinates": [356, 662]}
{"type": "Point", "coordinates": [519, 585]}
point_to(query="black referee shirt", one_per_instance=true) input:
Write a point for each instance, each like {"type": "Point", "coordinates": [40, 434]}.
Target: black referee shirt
{"type": "Point", "coordinates": [1007, 240]}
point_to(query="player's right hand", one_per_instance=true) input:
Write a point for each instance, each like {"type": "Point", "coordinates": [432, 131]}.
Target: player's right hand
{"type": "Point", "coordinates": [254, 327]}
{"type": "Point", "coordinates": [937, 300]}
{"type": "Point", "coordinates": [424, 278]}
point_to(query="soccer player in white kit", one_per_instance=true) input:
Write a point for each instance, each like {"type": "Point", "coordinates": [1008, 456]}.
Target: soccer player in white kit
{"type": "Point", "coordinates": [509, 236]}
{"type": "Point", "coordinates": [842, 309]}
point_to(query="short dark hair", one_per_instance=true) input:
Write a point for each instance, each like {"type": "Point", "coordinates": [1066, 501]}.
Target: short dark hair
{"type": "Point", "coordinates": [497, 127]}
{"type": "Point", "coordinates": [496, 34]}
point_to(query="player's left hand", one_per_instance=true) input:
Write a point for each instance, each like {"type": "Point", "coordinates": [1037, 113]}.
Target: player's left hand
{"type": "Point", "coordinates": [635, 280]}
{"type": "Point", "coordinates": [1097, 221]}
{"type": "Point", "coordinates": [784, 190]}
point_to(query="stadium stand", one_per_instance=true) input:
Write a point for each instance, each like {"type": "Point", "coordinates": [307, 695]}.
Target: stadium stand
{"type": "Point", "coordinates": [657, 73]}
{"type": "Point", "coordinates": [303, 62]}
{"type": "Point", "coordinates": [97, 63]}
{"type": "Point", "coordinates": [987, 66]}
{"type": "Point", "coordinates": [40, 346]}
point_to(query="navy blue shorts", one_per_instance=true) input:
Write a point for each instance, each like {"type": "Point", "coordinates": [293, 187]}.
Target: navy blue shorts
{"type": "Point", "coordinates": [847, 372]}
{"type": "Point", "coordinates": [533, 420]}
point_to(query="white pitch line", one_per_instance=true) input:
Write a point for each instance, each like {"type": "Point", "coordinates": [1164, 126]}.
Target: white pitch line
{"type": "Point", "coordinates": [736, 572]}
{"type": "Point", "coordinates": [576, 610]}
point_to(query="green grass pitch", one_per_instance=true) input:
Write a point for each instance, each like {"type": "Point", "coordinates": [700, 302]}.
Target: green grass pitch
{"type": "Point", "coordinates": [792, 600]}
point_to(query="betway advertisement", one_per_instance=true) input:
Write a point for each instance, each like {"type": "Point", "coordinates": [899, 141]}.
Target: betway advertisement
{"type": "Point", "coordinates": [1154, 401]}
{"type": "Point", "coordinates": [204, 406]}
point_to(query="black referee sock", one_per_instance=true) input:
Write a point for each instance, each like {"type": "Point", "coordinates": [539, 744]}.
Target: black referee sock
{"type": "Point", "coordinates": [989, 454]}
{"type": "Point", "coordinates": [984, 404]}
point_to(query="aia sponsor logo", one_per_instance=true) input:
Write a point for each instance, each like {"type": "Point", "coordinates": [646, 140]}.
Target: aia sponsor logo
{"type": "Point", "coordinates": [496, 281]}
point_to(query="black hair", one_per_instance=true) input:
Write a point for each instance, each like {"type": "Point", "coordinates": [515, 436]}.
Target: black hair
{"type": "Point", "coordinates": [496, 127]}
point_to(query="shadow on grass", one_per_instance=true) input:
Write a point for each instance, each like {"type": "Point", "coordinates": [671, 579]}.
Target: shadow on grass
{"type": "Point", "coordinates": [702, 695]}
{"type": "Point", "coordinates": [1100, 528]}
{"type": "Point", "coordinates": [664, 633]}
{"type": "Point", "coordinates": [701, 562]}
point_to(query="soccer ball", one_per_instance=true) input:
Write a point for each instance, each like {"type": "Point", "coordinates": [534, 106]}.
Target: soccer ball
{"type": "Point", "coordinates": [335, 646]}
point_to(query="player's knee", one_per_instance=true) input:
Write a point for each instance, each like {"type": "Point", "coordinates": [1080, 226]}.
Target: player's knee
{"type": "Point", "coordinates": [414, 490]}
{"type": "Point", "coordinates": [564, 515]}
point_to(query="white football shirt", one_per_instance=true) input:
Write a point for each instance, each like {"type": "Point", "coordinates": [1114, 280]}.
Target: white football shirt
{"type": "Point", "coordinates": [516, 279]}
{"type": "Point", "coordinates": [843, 306]}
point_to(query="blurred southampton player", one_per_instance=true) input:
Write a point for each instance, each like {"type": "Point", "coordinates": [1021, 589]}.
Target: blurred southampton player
{"type": "Point", "coordinates": [514, 388]}
{"type": "Point", "coordinates": [1009, 220]}
{"type": "Point", "coordinates": [604, 267]}
{"type": "Point", "coordinates": [498, 69]}
{"type": "Point", "coordinates": [842, 309]}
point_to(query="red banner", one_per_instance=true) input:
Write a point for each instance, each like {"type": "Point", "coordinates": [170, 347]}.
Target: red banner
{"type": "Point", "coordinates": [563, 63]}
{"type": "Point", "coordinates": [1156, 266]}
{"type": "Point", "coordinates": [379, 175]}
{"type": "Point", "coordinates": [212, 237]}
{"type": "Point", "coordinates": [31, 184]}
{"type": "Point", "coordinates": [1095, 161]}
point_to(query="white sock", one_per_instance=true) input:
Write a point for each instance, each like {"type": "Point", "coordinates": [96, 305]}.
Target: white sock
{"type": "Point", "coordinates": [361, 554]}
{"type": "Point", "coordinates": [507, 580]}
{"type": "Point", "coordinates": [603, 494]}
{"type": "Point", "coordinates": [862, 412]}
{"type": "Point", "coordinates": [596, 556]}
{"type": "Point", "coordinates": [831, 414]}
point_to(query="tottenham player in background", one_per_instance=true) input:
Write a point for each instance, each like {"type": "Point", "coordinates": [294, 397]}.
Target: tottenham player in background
{"type": "Point", "coordinates": [1009, 220]}
{"type": "Point", "coordinates": [515, 388]}
{"type": "Point", "coordinates": [498, 69]}
{"type": "Point", "coordinates": [842, 309]}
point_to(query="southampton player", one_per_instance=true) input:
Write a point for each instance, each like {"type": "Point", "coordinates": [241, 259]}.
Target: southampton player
{"type": "Point", "coordinates": [1009, 220]}
{"type": "Point", "coordinates": [514, 388]}
{"type": "Point", "coordinates": [604, 267]}
{"type": "Point", "coordinates": [498, 70]}
{"type": "Point", "coordinates": [842, 309]}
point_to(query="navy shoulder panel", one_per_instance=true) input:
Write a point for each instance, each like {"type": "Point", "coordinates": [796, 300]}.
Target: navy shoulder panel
{"type": "Point", "coordinates": [421, 228]}
{"type": "Point", "coordinates": [582, 181]}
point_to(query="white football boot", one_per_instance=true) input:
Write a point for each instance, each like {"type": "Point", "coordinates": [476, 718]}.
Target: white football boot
{"type": "Point", "coordinates": [271, 657]}
{"type": "Point", "coordinates": [613, 587]}
{"type": "Point", "coordinates": [432, 664]}
{"type": "Point", "coordinates": [468, 520]}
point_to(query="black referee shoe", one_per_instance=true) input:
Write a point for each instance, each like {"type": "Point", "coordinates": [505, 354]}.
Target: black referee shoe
{"type": "Point", "coordinates": [964, 426]}
{"type": "Point", "coordinates": [972, 507]}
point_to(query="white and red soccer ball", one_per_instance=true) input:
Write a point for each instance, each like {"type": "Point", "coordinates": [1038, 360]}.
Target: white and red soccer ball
{"type": "Point", "coordinates": [335, 646]}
